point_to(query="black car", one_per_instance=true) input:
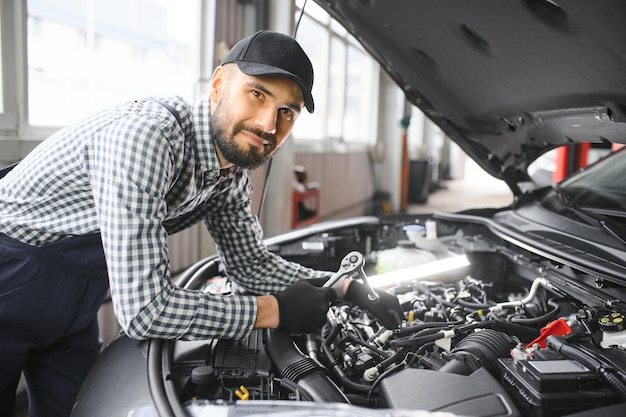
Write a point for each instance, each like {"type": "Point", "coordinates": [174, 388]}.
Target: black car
{"type": "Point", "coordinates": [510, 311]}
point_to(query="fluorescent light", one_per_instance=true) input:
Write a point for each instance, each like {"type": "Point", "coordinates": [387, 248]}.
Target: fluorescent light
{"type": "Point", "coordinates": [422, 271]}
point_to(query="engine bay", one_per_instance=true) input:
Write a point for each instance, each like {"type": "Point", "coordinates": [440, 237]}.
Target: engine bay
{"type": "Point", "coordinates": [508, 333]}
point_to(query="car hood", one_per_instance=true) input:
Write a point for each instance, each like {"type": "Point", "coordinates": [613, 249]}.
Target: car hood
{"type": "Point", "coordinates": [506, 80]}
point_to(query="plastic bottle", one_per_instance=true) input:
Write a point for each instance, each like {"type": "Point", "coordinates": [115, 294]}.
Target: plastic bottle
{"type": "Point", "coordinates": [431, 229]}
{"type": "Point", "coordinates": [424, 237]}
{"type": "Point", "coordinates": [404, 255]}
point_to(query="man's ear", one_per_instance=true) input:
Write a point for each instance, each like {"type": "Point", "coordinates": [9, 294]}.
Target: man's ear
{"type": "Point", "coordinates": [217, 84]}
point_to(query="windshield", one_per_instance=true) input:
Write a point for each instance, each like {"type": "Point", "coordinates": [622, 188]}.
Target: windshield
{"type": "Point", "coordinates": [600, 186]}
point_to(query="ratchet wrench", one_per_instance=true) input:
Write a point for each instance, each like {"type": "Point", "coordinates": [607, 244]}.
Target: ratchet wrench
{"type": "Point", "coordinates": [352, 267]}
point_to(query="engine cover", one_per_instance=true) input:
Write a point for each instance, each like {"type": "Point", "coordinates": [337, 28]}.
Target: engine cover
{"type": "Point", "coordinates": [554, 387]}
{"type": "Point", "coordinates": [478, 394]}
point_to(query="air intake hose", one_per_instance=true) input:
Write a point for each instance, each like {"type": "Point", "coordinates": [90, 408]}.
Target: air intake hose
{"type": "Point", "coordinates": [295, 366]}
{"type": "Point", "coordinates": [479, 349]}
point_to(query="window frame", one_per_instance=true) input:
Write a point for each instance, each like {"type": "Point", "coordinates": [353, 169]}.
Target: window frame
{"type": "Point", "coordinates": [17, 136]}
{"type": "Point", "coordinates": [10, 47]}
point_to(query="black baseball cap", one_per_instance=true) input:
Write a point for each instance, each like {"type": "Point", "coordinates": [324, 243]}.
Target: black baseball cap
{"type": "Point", "coordinates": [273, 53]}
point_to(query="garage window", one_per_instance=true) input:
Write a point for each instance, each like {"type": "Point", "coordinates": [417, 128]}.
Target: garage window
{"type": "Point", "coordinates": [86, 54]}
{"type": "Point", "coordinates": [346, 82]}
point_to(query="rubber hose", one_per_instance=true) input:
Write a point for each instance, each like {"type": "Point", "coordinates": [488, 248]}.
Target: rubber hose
{"type": "Point", "coordinates": [477, 350]}
{"type": "Point", "coordinates": [427, 325]}
{"type": "Point", "coordinates": [523, 332]}
{"type": "Point", "coordinates": [355, 386]}
{"type": "Point", "coordinates": [292, 364]}
{"type": "Point", "coordinates": [544, 318]}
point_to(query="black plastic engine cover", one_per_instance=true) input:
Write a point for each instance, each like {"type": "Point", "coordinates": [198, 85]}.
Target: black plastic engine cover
{"type": "Point", "coordinates": [478, 394]}
{"type": "Point", "coordinates": [242, 361]}
{"type": "Point", "coordinates": [549, 388]}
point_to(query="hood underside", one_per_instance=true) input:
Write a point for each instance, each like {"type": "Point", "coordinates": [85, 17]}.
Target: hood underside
{"type": "Point", "coordinates": [505, 79]}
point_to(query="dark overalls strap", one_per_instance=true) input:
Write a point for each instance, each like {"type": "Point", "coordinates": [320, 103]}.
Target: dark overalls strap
{"type": "Point", "coordinates": [170, 109]}
{"type": "Point", "coordinates": [4, 171]}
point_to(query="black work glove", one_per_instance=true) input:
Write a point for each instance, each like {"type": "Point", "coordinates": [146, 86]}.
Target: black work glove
{"type": "Point", "coordinates": [319, 282]}
{"type": "Point", "coordinates": [386, 309]}
{"type": "Point", "coordinates": [302, 307]}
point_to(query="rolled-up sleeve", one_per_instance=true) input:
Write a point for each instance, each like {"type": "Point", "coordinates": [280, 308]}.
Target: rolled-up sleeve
{"type": "Point", "coordinates": [239, 239]}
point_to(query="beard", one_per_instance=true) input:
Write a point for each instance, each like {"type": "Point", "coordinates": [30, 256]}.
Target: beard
{"type": "Point", "coordinates": [249, 158]}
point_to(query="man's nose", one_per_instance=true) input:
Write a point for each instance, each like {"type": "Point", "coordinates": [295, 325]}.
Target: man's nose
{"type": "Point", "coordinates": [266, 120]}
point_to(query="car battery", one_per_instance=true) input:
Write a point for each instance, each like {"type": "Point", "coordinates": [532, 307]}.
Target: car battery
{"type": "Point", "coordinates": [554, 387]}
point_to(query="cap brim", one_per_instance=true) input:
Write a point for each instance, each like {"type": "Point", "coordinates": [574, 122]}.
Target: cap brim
{"type": "Point", "coordinates": [256, 69]}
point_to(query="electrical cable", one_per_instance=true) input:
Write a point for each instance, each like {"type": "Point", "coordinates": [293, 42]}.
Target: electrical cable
{"type": "Point", "coordinates": [571, 352]}
{"type": "Point", "coordinates": [264, 192]}
{"type": "Point", "coordinates": [295, 31]}
{"type": "Point", "coordinates": [269, 163]}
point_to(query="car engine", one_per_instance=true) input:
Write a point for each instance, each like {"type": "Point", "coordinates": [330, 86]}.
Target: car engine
{"type": "Point", "coordinates": [510, 333]}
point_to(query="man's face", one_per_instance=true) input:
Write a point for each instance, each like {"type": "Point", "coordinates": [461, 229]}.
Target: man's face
{"type": "Point", "coordinates": [251, 116]}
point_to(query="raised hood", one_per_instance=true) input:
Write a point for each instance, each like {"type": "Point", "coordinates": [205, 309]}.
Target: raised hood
{"type": "Point", "coordinates": [505, 79]}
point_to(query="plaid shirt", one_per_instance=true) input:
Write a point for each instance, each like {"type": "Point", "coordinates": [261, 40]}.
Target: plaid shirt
{"type": "Point", "coordinates": [134, 174]}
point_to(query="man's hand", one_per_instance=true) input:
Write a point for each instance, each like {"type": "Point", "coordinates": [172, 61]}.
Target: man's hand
{"type": "Point", "coordinates": [386, 308]}
{"type": "Point", "coordinates": [302, 307]}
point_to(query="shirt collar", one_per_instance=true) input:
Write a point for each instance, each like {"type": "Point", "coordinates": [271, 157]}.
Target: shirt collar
{"type": "Point", "coordinates": [228, 172]}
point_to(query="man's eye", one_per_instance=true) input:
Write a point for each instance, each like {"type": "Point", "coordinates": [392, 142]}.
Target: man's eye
{"type": "Point", "coordinates": [286, 113]}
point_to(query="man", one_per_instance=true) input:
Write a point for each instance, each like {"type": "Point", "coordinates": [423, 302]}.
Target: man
{"type": "Point", "coordinates": [92, 206]}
